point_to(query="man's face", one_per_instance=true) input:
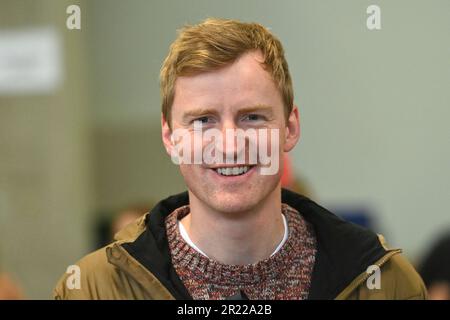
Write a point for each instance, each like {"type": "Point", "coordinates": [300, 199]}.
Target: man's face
{"type": "Point", "coordinates": [243, 96]}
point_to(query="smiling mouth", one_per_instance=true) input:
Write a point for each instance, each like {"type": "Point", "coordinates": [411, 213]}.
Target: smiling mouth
{"type": "Point", "coordinates": [232, 171]}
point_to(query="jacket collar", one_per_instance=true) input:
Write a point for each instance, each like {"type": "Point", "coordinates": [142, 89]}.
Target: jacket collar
{"type": "Point", "coordinates": [344, 250]}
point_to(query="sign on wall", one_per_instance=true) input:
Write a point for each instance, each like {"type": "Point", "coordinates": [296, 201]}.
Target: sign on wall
{"type": "Point", "coordinates": [30, 61]}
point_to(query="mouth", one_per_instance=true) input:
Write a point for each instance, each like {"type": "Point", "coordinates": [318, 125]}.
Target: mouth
{"type": "Point", "coordinates": [232, 171]}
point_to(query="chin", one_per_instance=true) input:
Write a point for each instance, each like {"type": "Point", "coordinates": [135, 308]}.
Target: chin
{"type": "Point", "coordinates": [233, 205]}
{"type": "Point", "coordinates": [234, 202]}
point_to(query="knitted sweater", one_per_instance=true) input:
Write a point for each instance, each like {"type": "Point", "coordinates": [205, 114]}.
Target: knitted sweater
{"type": "Point", "coordinates": [284, 275]}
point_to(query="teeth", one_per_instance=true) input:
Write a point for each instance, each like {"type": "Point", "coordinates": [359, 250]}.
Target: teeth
{"type": "Point", "coordinates": [235, 171]}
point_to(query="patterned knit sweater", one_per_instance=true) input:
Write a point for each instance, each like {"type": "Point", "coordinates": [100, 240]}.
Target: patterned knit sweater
{"type": "Point", "coordinates": [284, 275]}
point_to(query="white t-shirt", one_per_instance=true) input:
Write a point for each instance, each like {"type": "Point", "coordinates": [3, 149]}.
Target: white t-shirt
{"type": "Point", "coordinates": [188, 240]}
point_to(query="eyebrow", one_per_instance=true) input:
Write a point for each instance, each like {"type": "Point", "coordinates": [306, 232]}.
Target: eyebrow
{"type": "Point", "coordinates": [258, 107]}
{"type": "Point", "coordinates": [196, 113]}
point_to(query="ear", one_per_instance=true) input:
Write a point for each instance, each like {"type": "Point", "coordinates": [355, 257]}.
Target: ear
{"type": "Point", "coordinates": [292, 130]}
{"type": "Point", "coordinates": [166, 135]}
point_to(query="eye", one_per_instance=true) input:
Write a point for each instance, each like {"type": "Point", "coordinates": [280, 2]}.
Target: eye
{"type": "Point", "coordinates": [253, 117]}
{"type": "Point", "coordinates": [202, 120]}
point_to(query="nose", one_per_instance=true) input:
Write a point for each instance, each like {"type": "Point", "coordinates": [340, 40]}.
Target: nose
{"type": "Point", "coordinates": [230, 147]}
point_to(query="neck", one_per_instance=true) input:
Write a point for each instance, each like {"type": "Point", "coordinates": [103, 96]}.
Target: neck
{"type": "Point", "coordinates": [237, 238]}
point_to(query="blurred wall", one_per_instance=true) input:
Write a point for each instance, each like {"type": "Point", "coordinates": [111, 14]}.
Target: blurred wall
{"type": "Point", "coordinates": [127, 44]}
{"type": "Point", "coordinates": [45, 189]}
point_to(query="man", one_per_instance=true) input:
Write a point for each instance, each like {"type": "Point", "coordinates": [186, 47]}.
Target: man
{"type": "Point", "coordinates": [235, 234]}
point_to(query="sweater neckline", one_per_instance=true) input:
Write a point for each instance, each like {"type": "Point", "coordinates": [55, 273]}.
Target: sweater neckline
{"type": "Point", "coordinates": [215, 272]}
{"type": "Point", "coordinates": [188, 240]}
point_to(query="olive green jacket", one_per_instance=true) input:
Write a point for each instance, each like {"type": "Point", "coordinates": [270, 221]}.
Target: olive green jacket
{"type": "Point", "coordinates": [138, 265]}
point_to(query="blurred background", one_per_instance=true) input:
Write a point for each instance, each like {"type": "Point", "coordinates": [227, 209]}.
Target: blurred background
{"type": "Point", "coordinates": [80, 120]}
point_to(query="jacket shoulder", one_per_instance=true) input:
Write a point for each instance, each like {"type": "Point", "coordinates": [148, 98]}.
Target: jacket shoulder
{"type": "Point", "coordinates": [406, 281]}
{"type": "Point", "coordinates": [93, 277]}
{"type": "Point", "coordinates": [80, 279]}
{"type": "Point", "coordinates": [398, 281]}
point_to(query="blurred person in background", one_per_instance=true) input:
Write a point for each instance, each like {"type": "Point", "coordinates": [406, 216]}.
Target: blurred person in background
{"type": "Point", "coordinates": [126, 216]}
{"type": "Point", "coordinates": [435, 269]}
{"type": "Point", "coordinates": [9, 289]}
{"type": "Point", "coordinates": [292, 181]}
{"type": "Point", "coordinates": [111, 223]}
{"type": "Point", "coordinates": [235, 234]}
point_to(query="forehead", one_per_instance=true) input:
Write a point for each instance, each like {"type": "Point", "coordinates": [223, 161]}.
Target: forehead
{"type": "Point", "coordinates": [244, 82]}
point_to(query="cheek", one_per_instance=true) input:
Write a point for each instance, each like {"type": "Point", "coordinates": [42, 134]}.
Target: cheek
{"type": "Point", "coordinates": [186, 173]}
{"type": "Point", "coordinates": [187, 169]}
{"type": "Point", "coordinates": [193, 175]}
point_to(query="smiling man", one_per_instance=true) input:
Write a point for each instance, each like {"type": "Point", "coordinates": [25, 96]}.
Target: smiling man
{"type": "Point", "coordinates": [235, 234]}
